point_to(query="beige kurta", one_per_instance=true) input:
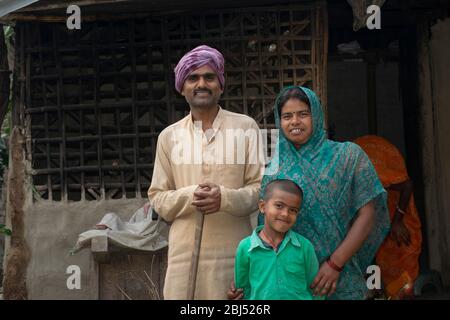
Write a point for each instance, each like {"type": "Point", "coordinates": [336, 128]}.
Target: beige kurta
{"type": "Point", "coordinates": [171, 194]}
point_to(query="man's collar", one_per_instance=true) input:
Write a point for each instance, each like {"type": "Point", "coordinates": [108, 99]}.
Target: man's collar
{"type": "Point", "coordinates": [218, 120]}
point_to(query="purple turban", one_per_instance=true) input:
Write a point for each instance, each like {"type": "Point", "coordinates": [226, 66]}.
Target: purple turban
{"type": "Point", "coordinates": [196, 58]}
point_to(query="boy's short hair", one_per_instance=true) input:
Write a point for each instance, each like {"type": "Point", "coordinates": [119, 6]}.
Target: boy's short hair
{"type": "Point", "coordinates": [284, 185]}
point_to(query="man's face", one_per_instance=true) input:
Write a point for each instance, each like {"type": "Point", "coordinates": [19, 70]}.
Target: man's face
{"type": "Point", "coordinates": [202, 88]}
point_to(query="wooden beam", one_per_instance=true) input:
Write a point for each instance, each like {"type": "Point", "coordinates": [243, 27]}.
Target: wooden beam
{"type": "Point", "coordinates": [51, 5]}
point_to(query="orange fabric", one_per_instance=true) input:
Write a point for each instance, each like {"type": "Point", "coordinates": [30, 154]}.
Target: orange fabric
{"type": "Point", "coordinates": [399, 265]}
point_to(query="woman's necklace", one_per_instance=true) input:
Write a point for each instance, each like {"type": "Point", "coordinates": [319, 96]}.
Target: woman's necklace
{"type": "Point", "coordinates": [269, 240]}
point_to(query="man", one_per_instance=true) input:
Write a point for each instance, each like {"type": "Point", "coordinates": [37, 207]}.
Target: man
{"type": "Point", "coordinates": [201, 178]}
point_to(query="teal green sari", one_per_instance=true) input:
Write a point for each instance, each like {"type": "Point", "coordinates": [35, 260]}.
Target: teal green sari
{"type": "Point", "coordinates": [337, 179]}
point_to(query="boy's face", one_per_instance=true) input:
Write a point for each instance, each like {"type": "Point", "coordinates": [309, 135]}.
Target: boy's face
{"type": "Point", "coordinates": [280, 211]}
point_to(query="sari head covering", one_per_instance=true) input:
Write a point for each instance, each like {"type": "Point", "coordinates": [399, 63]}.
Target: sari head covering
{"type": "Point", "coordinates": [399, 264]}
{"type": "Point", "coordinates": [337, 180]}
{"type": "Point", "coordinates": [196, 58]}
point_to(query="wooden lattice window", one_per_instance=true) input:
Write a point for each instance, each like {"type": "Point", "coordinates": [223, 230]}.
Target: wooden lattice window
{"type": "Point", "coordinates": [96, 99]}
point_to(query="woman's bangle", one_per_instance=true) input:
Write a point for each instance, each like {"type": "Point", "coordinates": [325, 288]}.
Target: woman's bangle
{"type": "Point", "coordinates": [400, 210]}
{"type": "Point", "coordinates": [333, 265]}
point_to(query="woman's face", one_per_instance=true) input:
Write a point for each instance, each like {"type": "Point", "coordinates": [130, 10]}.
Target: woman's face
{"type": "Point", "coordinates": [296, 122]}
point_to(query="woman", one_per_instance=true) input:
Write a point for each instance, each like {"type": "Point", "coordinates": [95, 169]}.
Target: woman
{"type": "Point", "coordinates": [344, 211]}
{"type": "Point", "coordinates": [398, 256]}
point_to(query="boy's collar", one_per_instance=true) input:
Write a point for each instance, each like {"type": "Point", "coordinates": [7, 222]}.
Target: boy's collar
{"type": "Point", "coordinates": [255, 240]}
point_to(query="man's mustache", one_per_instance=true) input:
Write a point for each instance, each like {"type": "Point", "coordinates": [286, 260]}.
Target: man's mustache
{"type": "Point", "coordinates": [202, 90]}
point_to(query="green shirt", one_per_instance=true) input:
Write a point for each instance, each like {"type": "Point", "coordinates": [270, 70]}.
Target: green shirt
{"type": "Point", "coordinates": [285, 274]}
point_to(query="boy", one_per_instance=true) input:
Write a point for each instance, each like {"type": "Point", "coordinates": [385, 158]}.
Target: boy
{"type": "Point", "coordinates": [276, 262]}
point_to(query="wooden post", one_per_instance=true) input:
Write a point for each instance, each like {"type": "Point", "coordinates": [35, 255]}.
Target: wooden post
{"type": "Point", "coordinates": [99, 248]}
{"type": "Point", "coordinates": [4, 77]}
{"type": "Point", "coordinates": [372, 94]}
